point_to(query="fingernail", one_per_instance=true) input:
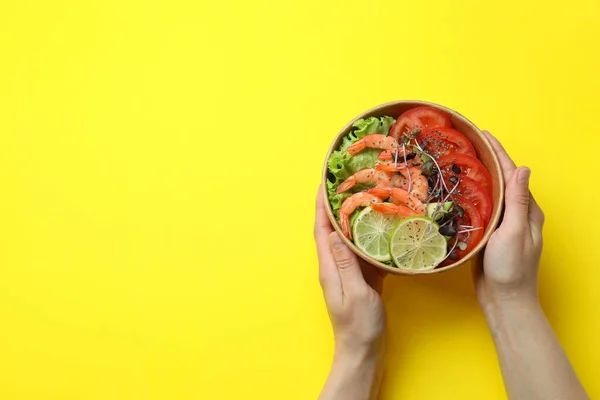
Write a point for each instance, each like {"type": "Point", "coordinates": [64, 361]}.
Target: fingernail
{"type": "Point", "coordinates": [336, 241]}
{"type": "Point", "coordinates": [524, 175]}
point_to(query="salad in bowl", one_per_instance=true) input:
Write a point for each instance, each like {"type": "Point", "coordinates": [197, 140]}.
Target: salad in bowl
{"type": "Point", "coordinates": [413, 187]}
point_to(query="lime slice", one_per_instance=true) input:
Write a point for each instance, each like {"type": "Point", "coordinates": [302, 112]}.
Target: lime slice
{"type": "Point", "coordinates": [371, 230]}
{"type": "Point", "coordinates": [417, 244]}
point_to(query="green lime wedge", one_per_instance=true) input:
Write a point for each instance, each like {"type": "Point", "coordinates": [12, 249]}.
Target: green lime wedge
{"type": "Point", "coordinates": [416, 244]}
{"type": "Point", "coordinates": [371, 230]}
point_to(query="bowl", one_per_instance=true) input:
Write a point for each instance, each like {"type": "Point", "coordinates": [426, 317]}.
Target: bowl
{"type": "Point", "coordinates": [484, 151]}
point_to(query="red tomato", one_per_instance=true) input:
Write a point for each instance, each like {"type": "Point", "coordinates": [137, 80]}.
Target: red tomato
{"type": "Point", "coordinates": [471, 190]}
{"type": "Point", "coordinates": [469, 166]}
{"type": "Point", "coordinates": [471, 218]}
{"type": "Point", "coordinates": [442, 141]}
{"type": "Point", "coordinates": [428, 117]}
{"type": "Point", "coordinates": [402, 126]}
{"type": "Point", "coordinates": [420, 118]}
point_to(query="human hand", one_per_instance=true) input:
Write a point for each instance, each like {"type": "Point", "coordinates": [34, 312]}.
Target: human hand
{"type": "Point", "coordinates": [533, 363]}
{"type": "Point", "coordinates": [351, 289]}
{"type": "Point", "coordinates": [512, 255]}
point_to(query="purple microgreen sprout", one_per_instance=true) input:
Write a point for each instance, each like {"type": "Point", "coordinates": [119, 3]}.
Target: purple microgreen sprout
{"type": "Point", "coordinates": [450, 193]}
{"type": "Point", "coordinates": [448, 230]}
{"type": "Point", "coordinates": [441, 180]}
{"type": "Point", "coordinates": [436, 164]}
{"type": "Point", "coordinates": [468, 230]}
{"type": "Point", "coordinates": [407, 171]}
{"type": "Point", "coordinates": [450, 251]}
{"type": "Point", "coordinates": [459, 211]}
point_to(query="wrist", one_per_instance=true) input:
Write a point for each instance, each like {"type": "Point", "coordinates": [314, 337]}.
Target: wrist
{"type": "Point", "coordinates": [492, 300]}
{"type": "Point", "coordinates": [355, 373]}
{"type": "Point", "coordinates": [353, 356]}
{"type": "Point", "coordinates": [503, 310]}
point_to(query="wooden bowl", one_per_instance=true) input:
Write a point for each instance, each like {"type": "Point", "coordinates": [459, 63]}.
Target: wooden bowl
{"type": "Point", "coordinates": [485, 153]}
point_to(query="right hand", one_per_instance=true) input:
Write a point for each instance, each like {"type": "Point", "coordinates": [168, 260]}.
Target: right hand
{"type": "Point", "coordinates": [512, 255]}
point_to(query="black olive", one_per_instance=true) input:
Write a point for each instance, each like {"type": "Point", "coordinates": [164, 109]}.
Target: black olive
{"type": "Point", "coordinates": [455, 169]}
{"type": "Point", "coordinates": [410, 156]}
{"type": "Point", "coordinates": [448, 230]}
{"type": "Point", "coordinates": [458, 210]}
{"type": "Point", "coordinates": [453, 180]}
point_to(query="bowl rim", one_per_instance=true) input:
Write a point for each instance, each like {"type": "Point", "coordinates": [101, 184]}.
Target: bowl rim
{"type": "Point", "coordinates": [496, 214]}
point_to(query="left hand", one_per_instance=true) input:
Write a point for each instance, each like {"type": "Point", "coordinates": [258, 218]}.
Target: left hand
{"type": "Point", "coordinates": [351, 288]}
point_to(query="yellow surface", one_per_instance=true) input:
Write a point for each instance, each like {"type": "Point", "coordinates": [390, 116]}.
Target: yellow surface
{"type": "Point", "coordinates": [159, 162]}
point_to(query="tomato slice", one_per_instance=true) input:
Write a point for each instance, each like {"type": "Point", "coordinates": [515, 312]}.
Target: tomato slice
{"type": "Point", "coordinates": [472, 218]}
{"type": "Point", "coordinates": [428, 117]}
{"type": "Point", "coordinates": [471, 190]}
{"type": "Point", "coordinates": [420, 118]}
{"type": "Point", "coordinates": [443, 141]}
{"type": "Point", "coordinates": [402, 126]}
{"type": "Point", "coordinates": [469, 166]}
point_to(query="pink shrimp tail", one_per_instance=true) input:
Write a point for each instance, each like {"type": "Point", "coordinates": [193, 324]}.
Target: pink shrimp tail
{"type": "Point", "coordinates": [346, 185]}
{"type": "Point", "coordinates": [384, 208]}
{"type": "Point", "coordinates": [345, 225]}
{"type": "Point", "coordinates": [399, 210]}
{"type": "Point", "coordinates": [390, 167]}
{"type": "Point", "coordinates": [379, 192]}
{"type": "Point", "coordinates": [357, 147]}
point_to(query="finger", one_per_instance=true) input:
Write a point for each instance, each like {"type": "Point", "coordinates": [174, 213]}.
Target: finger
{"type": "Point", "coordinates": [328, 274]}
{"type": "Point", "coordinates": [373, 276]}
{"type": "Point", "coordinates": [506, 163]}
{"type": "Point", "coordinates": [517, 200]}
{"type": "Point", "coordinates": [536, 215]}
{"type": "Point", "coordinates": [322, 225]}
{"type": "Point", "coordinates": [347, 265]}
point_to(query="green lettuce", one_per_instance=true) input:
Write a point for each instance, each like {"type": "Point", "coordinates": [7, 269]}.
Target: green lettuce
{"type": "Point", "coordinates": [341, 165]}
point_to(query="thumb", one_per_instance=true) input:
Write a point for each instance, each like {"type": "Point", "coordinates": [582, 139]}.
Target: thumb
{"type": "Point", "coordinates": [347, 265]}
{"type": "Point", "coordinates": [517, 199]}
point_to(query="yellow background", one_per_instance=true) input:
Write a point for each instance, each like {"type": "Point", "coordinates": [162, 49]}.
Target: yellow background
{"type": "Point", "coordinates": [158, 167]}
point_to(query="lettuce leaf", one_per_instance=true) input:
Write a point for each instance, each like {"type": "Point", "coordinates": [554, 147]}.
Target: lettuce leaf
{"type": "Point", "coordinates": [341, 165]}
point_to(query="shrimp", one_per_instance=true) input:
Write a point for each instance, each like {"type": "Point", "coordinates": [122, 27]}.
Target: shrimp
{"type": "Point", "coordinates": [420, 186]}
{"type": "Point", "coordinates": [367, 175]}
{"type": "Point", "coordinates": [399, 210]}
{"type": "Point", "coordinates": [373, 141]}
{"type": "Point", "coordinates": [400, 197]}
{"type": "Point", "coordinates": [360, 199]}
{"type": "Point", "coordinates": [417, 184]}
